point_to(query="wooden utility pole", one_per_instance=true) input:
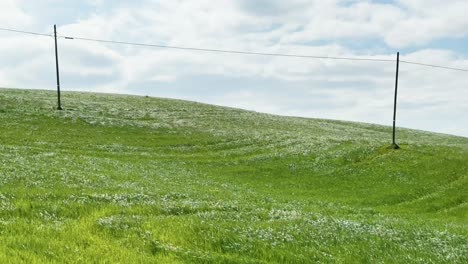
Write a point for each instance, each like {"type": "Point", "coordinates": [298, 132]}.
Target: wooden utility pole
{"type": "Point", "coordinates": [394, 144]}
{"type": "Point", "coordinates": [59, 104]}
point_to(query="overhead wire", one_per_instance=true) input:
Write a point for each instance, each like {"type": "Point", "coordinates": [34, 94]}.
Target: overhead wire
{"type": "Point", "coordinates": [26, 32]}
{"type": "Point", "coordinates": [433, 66]}
{"type": "Point", "coordinates": [232, 51]}
{"type": "Point", "coordinates": [225, 51]}
{"type": "Point", "coordinates": [203, 49]}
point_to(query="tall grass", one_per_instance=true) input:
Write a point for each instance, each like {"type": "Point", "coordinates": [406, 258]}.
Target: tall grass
{"type": "Point", "coordinates": [135, 179]}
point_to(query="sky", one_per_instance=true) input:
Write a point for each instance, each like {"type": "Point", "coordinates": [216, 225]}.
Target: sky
{"type": "Point", "coordinates": [425, 31]}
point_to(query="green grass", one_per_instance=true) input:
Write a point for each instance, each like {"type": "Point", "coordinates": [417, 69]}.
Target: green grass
{"type": "Point", "coordinates": [126, 179]}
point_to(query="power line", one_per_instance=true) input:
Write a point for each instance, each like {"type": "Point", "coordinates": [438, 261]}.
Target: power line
{"type": "Point", "coordinates": [226, 51]}
{"type": "Point", "coordinates": [259, 53]}
{"type": "Point", "coordinates": [433, 66]}
{"type": "Point", "coordinates": [201, 49]}
{"type": "Point", "coordinates": [26, 32]}
{"type": "Point", "coordinates": [234, 51]}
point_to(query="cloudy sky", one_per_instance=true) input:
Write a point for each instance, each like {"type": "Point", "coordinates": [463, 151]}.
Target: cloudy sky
{"type": "Point", "coordinates": [427, 31]}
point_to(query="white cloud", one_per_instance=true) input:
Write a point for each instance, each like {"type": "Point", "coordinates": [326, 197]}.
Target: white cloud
{"type": "Point", "coordinates": [12, 15]}
{"type": "Point", "coordinates": [425, 21]}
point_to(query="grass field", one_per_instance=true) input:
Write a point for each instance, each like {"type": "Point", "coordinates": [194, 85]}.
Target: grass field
{"type": "Point", "coordinates": [127, 179]}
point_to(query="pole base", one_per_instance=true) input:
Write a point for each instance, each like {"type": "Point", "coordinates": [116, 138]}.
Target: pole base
{"type": "Point", "coordinates": [394, 146]}
{"type": "Point", "coordinates": [59, 108]}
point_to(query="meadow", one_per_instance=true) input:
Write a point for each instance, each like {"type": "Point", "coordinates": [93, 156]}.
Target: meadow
{"type": "Point", "coordinates": [134, 179]}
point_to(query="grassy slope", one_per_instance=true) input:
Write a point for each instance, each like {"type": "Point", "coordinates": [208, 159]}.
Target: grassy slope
{"type": "Point", "coordinates": [132, 179]}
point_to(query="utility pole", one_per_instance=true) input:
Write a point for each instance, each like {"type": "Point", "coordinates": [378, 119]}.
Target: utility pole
{"type": "Point", "coordinates": [59, 104]}
{"type": "Point", "coordinates": [394, 144]}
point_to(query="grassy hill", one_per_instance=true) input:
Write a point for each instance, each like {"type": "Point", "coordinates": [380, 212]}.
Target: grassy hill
{"type": "Point", "coordinates": [136, 179]}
